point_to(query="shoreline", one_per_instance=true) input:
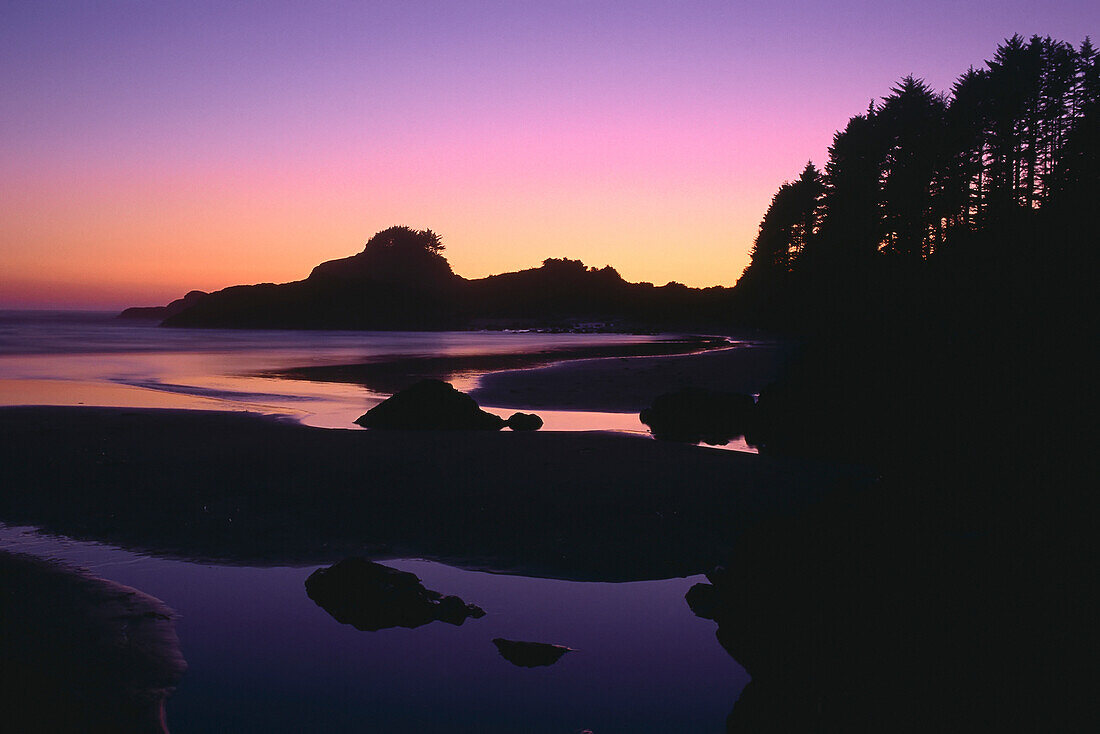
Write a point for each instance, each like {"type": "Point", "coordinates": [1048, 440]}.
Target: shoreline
{"type": "Point", "coordinates": [574, 386]}
{"type": "Point", "coordinates": [390, 374]}
{"type": "Point", "coordinates": [629, 385]}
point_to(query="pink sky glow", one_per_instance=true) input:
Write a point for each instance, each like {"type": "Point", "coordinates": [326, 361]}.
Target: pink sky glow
{"type": "Point", "coordinates": [149, 149]}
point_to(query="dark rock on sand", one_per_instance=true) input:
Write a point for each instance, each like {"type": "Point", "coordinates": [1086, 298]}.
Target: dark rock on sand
{"type": "Point", "coordinates": [370, 597]}
{"type": "Point", "coordinates": [524, 422]}
{"type": "Point", "coordinates": [695, 414]}
{"type": "Point", "coordinates": [430, 405]}
{"type": "Point", "coordinates": [529, 654]}
{"type": "Point", "coordinates": [80, 654]}
{"type": "Point", "coordinates": [702, 599]}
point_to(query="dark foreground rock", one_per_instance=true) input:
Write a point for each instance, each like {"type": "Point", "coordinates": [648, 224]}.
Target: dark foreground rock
{"type": "Point", "coordinates": [524, 422]}
{"type": "Point", "coordinates": [370, 597]}
{"type": "Point", "coordinates": [431, 405]}
{"type": "Point", "coordinates": [905, 609]}
{"type": "Point", "coordinates": [529, 654]}
{"type": "Point", "coordinates": [696, 414]}
{"type": "Point", "coordinates": [80, 654]}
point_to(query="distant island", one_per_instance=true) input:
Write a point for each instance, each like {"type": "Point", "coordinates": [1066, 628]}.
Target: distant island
{"type": "Point", "coordinates": [402, 281]}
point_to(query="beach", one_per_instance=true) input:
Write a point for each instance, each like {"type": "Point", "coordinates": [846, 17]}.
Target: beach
{"type": "Point", "coordinates": [629, 385]}
{"type": "Point", "coordinates": [240, 488]}
{"type": "Point", "coordinates": [160, 496]}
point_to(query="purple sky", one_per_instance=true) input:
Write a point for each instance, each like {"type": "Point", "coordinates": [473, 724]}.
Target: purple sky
{"type": "Point", "coordinates": [147, 148]}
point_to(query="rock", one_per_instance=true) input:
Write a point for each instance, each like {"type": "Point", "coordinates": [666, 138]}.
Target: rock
{"type": "Point", "coordinates": [701, 598]}
{"type": "Point", "coordinates": [430, 405]}
{"type": "Point", "coordinates": [370, 597]}
{"type": "Point", "coordinates": [524, 422]}
{"type": "Point", "coordinates": [529, 654]}
{"type": "Point", "coordinates": [453, 610]}
{"type": "Point", "coordinates": [695, 414]}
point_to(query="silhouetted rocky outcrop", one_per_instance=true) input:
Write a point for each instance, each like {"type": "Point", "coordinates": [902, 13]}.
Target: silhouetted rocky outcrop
{"type": "Point", "coordinates": [394, 255]}
{"type": "Point", "coordinates": [696, 414]}
{"type": "Point", "coordinates": [370, 597]}
{"type": "Point", "coordinates": [529, 654]}
{"type": "Point", "coordinates": [401, 280]}
{"type": "Point", "coordinates": [430, 405]}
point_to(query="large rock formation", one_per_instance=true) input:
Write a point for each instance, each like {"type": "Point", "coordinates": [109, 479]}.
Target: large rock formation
{"type": "Point", "coordinates": [430, 405]}
{"type": "Point", "coordinates": [697, 415]}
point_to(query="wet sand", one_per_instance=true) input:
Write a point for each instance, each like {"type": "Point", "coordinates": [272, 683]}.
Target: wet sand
{"type": "Point", "coordinates": [242, 488]}
{"type": "Point", "coordinates": [392, 373]}
{"type": "Point", "coordinates": [628, 385]}
{"type": "Point", "coordinates": [82, 654]}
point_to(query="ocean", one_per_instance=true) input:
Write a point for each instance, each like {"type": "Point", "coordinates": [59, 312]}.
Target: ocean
{"type": "Point", "coordinates": [94, 358]}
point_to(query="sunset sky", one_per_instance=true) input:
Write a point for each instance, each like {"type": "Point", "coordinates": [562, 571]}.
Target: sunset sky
{"type": "Point", "coordinates": [149, 148]}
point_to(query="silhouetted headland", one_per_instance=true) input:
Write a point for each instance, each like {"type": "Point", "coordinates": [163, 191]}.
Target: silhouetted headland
{"type": "Point", "coordinates": [935, 272]}
{"type": "Point", "coordinates": [402, 281]}
{"type": "Point", "coordinates": [159, 313]}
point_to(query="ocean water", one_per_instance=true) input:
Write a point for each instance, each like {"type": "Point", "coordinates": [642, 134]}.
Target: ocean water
{"type": "Point", "coordinates": [93, 358]}
{"type": "Point", "coordinates": [263, 657]}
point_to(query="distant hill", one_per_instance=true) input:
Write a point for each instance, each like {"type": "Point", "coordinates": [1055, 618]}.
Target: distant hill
{"type": "Point", "coordinates": [402, 281]}
{"type": "Point", "coordinates": [159, 313]}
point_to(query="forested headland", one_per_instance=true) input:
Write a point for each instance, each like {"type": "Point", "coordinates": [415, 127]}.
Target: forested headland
{"type": "Point", "coordinates": [941, 261]}
{"type": "Point", "coordinates": [940, 270]}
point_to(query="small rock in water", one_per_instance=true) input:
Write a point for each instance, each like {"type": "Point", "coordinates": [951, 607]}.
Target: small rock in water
{"type": "Point", "coordinates": [524, 422]}
{"type": "Point", "coordinates": [529, 654]}
{"type": "Point", "coordinates": [370, 597]}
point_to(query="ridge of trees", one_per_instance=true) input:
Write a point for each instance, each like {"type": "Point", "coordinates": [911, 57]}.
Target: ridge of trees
{"type": "Point", "coordinates": [922, 175]}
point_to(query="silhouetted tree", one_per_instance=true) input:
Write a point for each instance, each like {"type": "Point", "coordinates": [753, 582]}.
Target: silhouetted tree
{"type": "Point", "coordinates": [789, 224]}
{"type": "Point", "coordinates": [922, 170]}
{"type": "Point", "coordinates": [851, 226]}
{"type": "Point", "coordinates": [963, 174]}
{"type": "Point", "coordinates": [911, 124]}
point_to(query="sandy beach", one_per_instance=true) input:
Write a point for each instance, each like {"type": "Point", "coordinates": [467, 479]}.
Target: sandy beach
{"type": "Point", "coordinates": [242, 488]}
{"type": "Point", "coordinates": [394, 372]}
{"type": "Point", "coordinates": [233, 488]}
{"type": "Point", "coordinates": [628, 385]}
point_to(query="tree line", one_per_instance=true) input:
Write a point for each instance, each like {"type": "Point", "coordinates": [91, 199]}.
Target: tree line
{"type": "Point", "coordinates": [921, 172]}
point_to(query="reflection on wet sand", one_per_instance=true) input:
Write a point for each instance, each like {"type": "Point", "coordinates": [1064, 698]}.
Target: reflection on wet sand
{"type": "Point", "coordinates": [81, 654]}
